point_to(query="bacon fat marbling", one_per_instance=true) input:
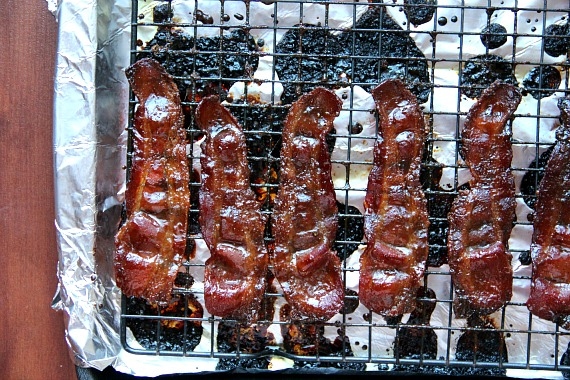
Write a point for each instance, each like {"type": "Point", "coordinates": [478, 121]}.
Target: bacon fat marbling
{"type": "Point", "coordinates": [481, 218]}
{"type": "Point", "coordinates": [230, 218]}
{"type": "Point", "coordinates": [550, 249]}
{"type": "Point", "coordinates": [396, 218]}
{"type": "Point", "coordinates": [305, 213]}
{"type": "Point", "coordinates": [151, 243]}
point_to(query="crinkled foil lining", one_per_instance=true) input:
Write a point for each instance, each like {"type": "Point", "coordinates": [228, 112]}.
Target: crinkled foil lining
{"type": "Point", "coordinates": [90, 119]}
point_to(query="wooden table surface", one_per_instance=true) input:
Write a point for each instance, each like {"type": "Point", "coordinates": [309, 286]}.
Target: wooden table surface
{"type": "Point", "coordinates": [32, 341]}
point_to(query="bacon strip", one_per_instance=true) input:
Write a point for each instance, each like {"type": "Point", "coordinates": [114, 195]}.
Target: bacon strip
{"type": "Point", "coordinates": [230, 218]}
{"type": "Point", "coordinates": [396, 218]}
{"type": "Point", "coordinates": [481, 219]}
{"type": "Point", "coordinates": [151, 243]}
{"type": "Point", "coordinates": [305, 213]}
{"type": "Point", "coordinates": [550, 248]}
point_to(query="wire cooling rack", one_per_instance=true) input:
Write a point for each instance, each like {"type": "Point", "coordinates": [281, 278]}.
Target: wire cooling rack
{"type": "Point", "coordinates": [447, 52]}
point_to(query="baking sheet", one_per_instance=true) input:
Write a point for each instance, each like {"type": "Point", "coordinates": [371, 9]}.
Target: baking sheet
{"type": "Point", "coordinates": [90, 119]}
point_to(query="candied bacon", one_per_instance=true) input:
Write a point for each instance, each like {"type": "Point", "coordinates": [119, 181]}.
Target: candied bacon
{"type": "Point", "coordinates": [230, 218]}
{"type": "Point", "coordinates": [151, 243]}
{"type": "Point", "coordinates": [481, 219]}
{"type": "Point", "coordinates": [305, 213]}
{"type": "Point", "coordinates": [550, 249]}
{"type": "Point", "coordinates": [396, 218]}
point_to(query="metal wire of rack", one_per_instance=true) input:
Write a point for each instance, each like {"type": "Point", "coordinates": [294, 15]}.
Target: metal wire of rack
{"type": "Point", "coordinates": [320, 54]}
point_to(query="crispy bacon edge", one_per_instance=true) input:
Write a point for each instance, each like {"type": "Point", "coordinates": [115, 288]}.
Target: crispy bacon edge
{"type": "Point", "coordinates": [303, 261]}
{"type": "Point", "coordinates": [396, 218]}
{"type": "Point", "coordinates": [550, 249]}
{"type": "Point", "coordinates": [230, 218]}
{"type": "Point", "coordinates": [481, 218]}
{"type": "Point", "coordinates": [151, 243]}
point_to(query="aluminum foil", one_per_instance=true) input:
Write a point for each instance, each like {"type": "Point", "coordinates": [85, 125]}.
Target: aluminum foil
{"type": "Point", "coordinates": [90, 119]}
{"type": "Point", "coordinates": [90, 116]}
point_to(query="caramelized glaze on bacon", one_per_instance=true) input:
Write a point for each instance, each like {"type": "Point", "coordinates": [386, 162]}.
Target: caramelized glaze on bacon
{"type": "Point", "coordinates": [396, 217]}
{"type": "Point", "coordinates": [481, 219]}
{"type": "Point", "coordinates": [305, 213]}
{"type": "Point", "coordinates": [550, 248]}
{"type": "Point", "coordinates": [230, 218]}
{"type": "Point", "coordinates": [151, 243]}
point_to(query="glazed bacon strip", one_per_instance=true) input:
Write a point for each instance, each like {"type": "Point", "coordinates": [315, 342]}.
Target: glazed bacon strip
{"type": "Point", "coordinates": [305, 213]}
{"type": "Point", "coordinates": [396, 218]}
{"type": "Point", "coordinates": [550, 248]}
{"type": "Point", "coordinates": [230, 218]}
{"type": "Point", "coordinates": [151, 243]}
{"type": "Point", "coordinates": [481, 219]}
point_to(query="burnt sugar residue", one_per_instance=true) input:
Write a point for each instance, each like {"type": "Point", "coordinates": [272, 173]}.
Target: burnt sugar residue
{"type": "Point", "coordinates": [481, 344]}
{"type": "Point", "coordinates": [401, 58]}
{"type": "Point", "coordinates": [236, 337]}
{"type": "Point", "coordinates": [252, 339]}
{"type": "Point", "coordinates": [415, 339]}
{"type": "Point", "coordinates": [540, 81]}
{"type": "Point", "coordinates": [350, 231]}
{"type": "Point", "coordinates": [197, 63]}
{"type": "Point", "coordinates": [494, 36]}
{"type": "Point", "coordinates": [309, 57]}
{"type": "Point", "coordinates": [531, 179]}
{"type": "Point", "coordinates": [557, 39]}
{"type": "Point", "coordinates": [481, 71]}
{"type": "Point", "coordinates": [305, 338]}
{"type": "Point", "coordinates": [162, 13]}
{"type": "Point", "coordinates": [419, 12]}
{"type": "Point", "coordinates": [183, 279]}
{"type": "Point", "coordinates": [529, 185]}
{"type": "Point", "coordinates": [262, 125]}
{"type": "Point", "coordinates": [174, 334]}
{"type": "Point", "coordinates": [439, 203]}
{"type": "Point", "coordinates": [350, 301]}
{"type": "Point", "coordinates": [204, 18]}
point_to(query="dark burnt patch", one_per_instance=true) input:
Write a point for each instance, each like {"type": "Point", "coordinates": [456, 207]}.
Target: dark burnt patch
{"type": "Point", "coordinates": [252, 339]}
{"type": "Point", "coordinates": [261, 125]}
{"type": "Point", "coordinates": [419, 12]}
{"type": "Point", "coordinates": [439, 202]}
{"type": "Point", "coordinates": [206, 65]}
{"type": "Point", "coordinates": [557, 39]}
{"type": "Point", "coordinates": [531, 179]}
{"type": "Point", "coordinates": [204, 18]}
{"type": "Point", "coordinates": [350, 230]}
{"type": "Point", "coordinates": [166, 334]}
{"type": "Point", "coordinates": [481, 71]}
{"type": "Point", "coordinates": [350, 301]}
{"type": "Point", "coordinates": [416, 340]}
{"type": "Point", "coordinates": [162, 13]}
{"type": "Point", "coordinates": [540, 81]}
{"type": "Point", "coordinates": [307, 57]}
{"type": "Point", "coordinates": [304, 338]}
{"type": "Point", "coordinates": [393, 54]}
{"type": "Point", "coordinates": [341, 347]}
{"type": "Point", "coordinates": [493, 36]}
{"type": "Point", "coordinates": [234, 337]}
{"type": "Point", "coordinates": [483, 344]}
